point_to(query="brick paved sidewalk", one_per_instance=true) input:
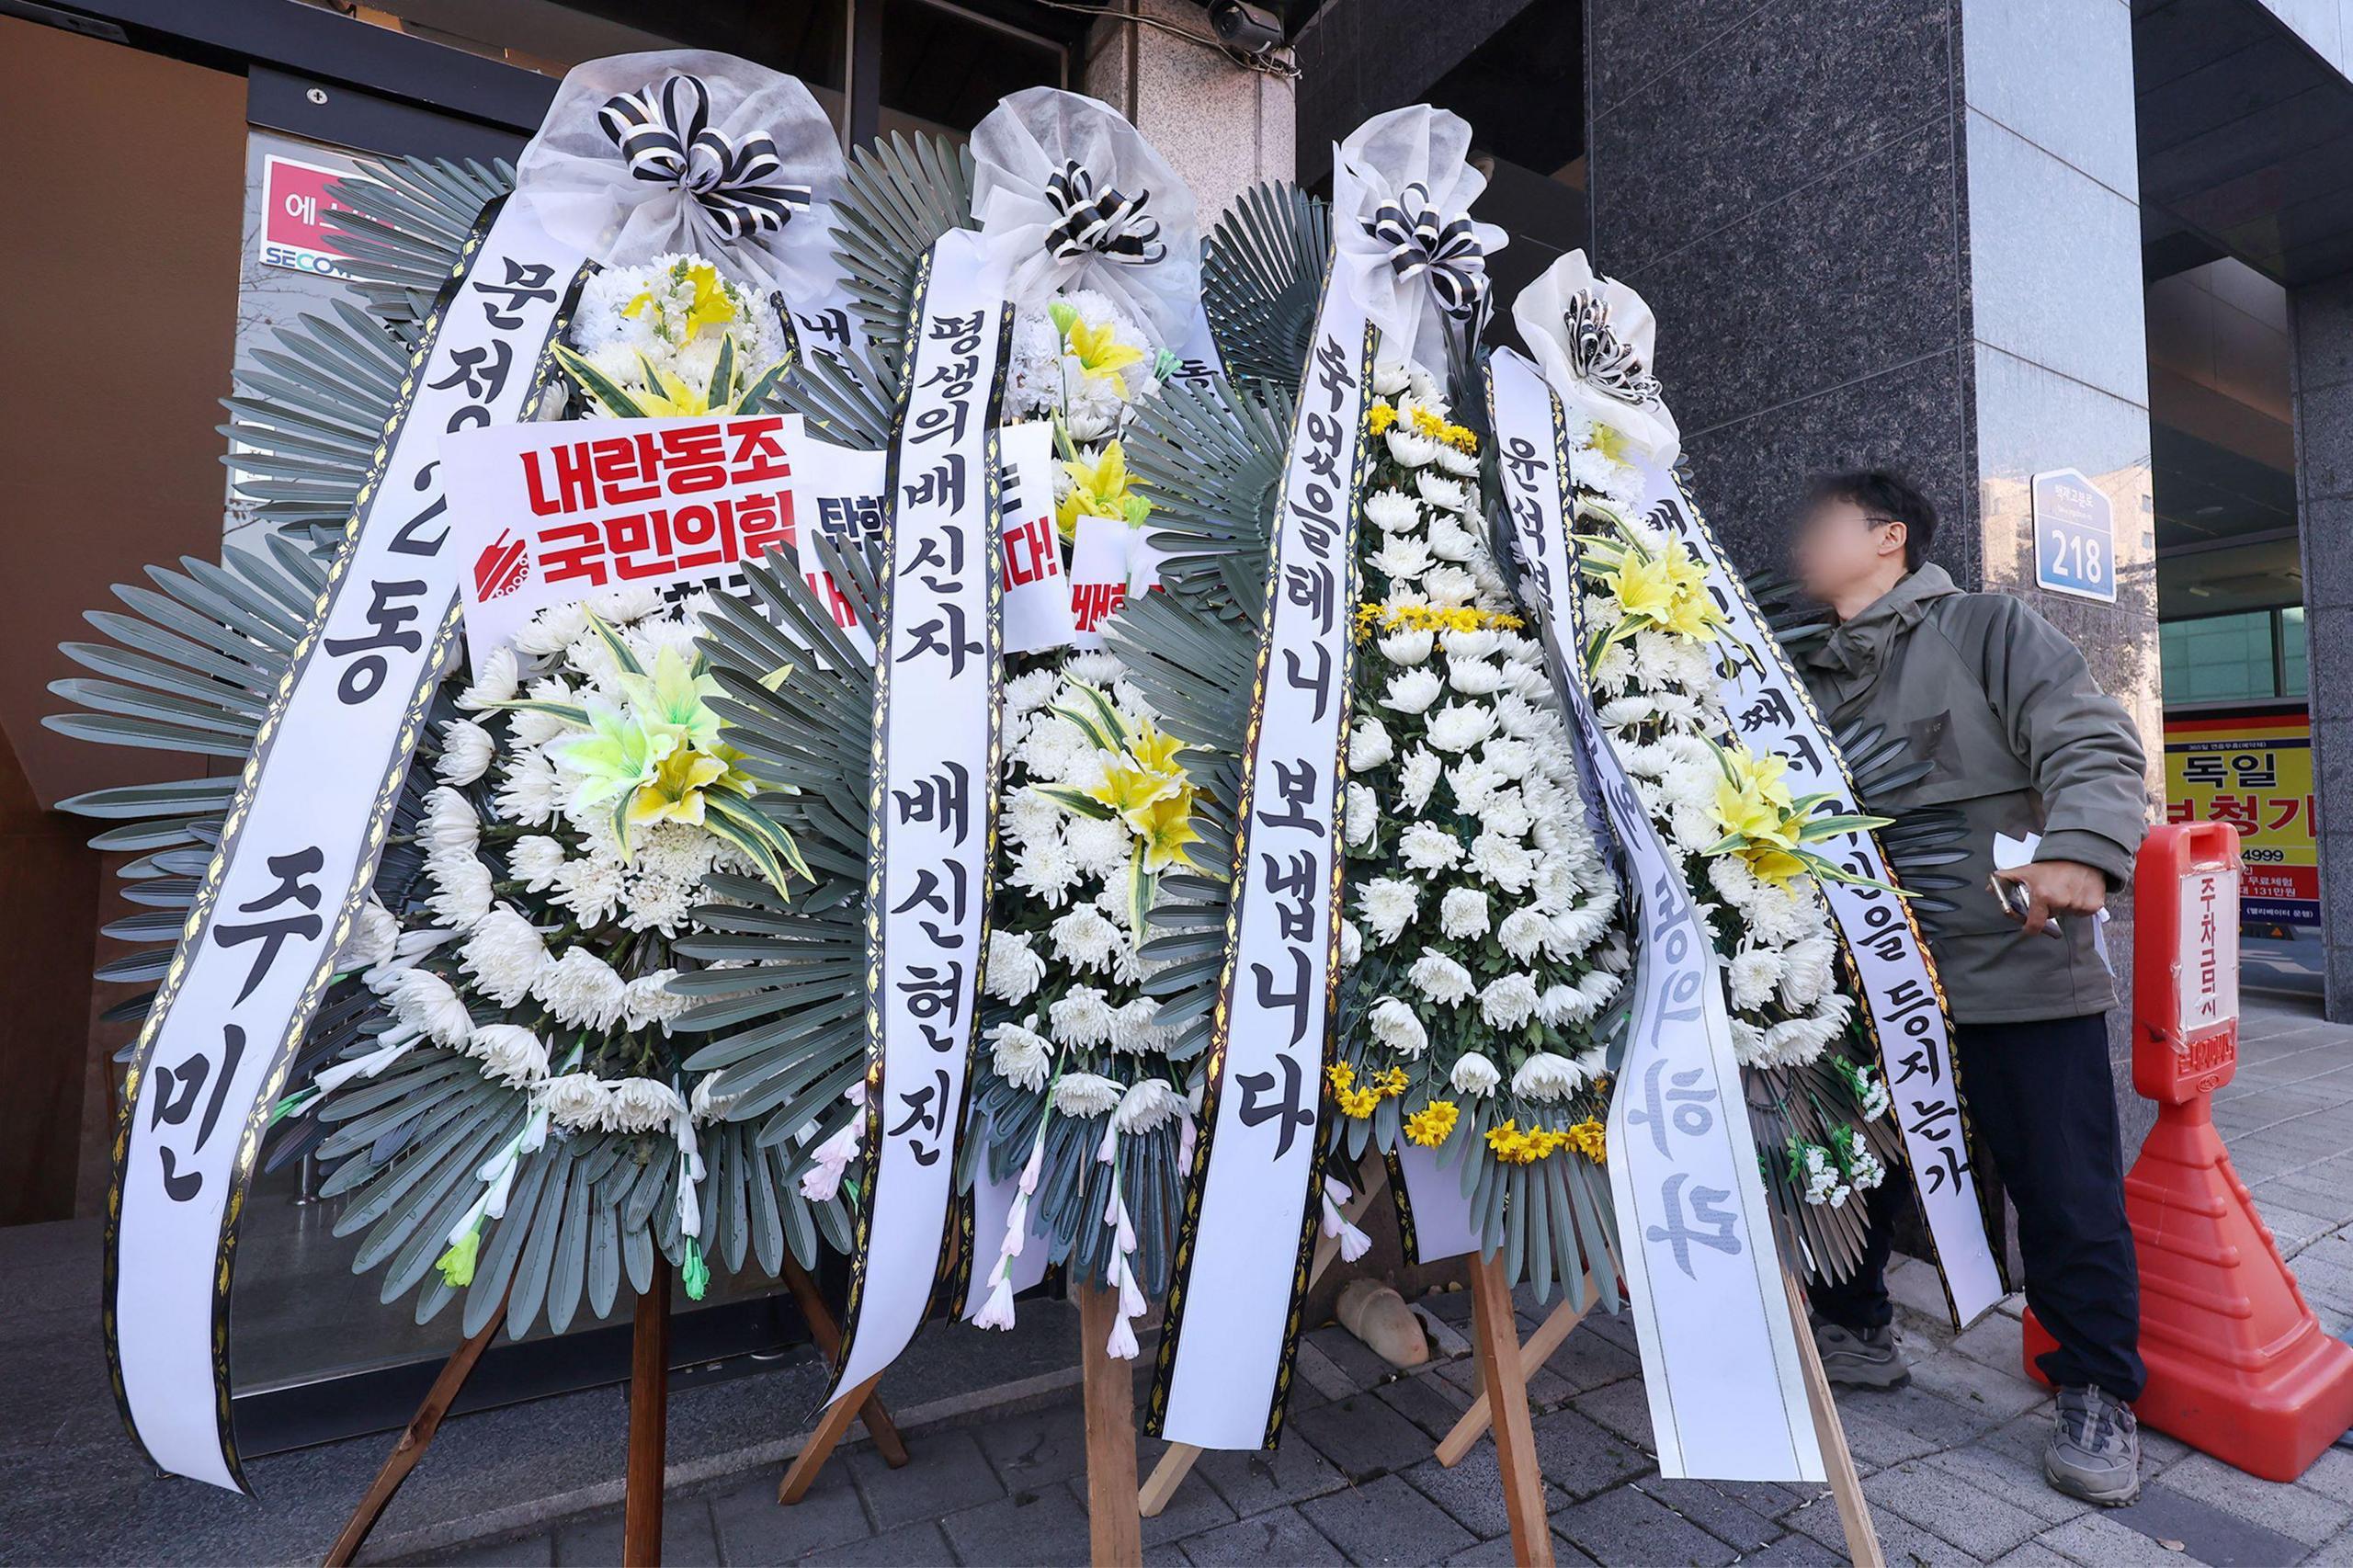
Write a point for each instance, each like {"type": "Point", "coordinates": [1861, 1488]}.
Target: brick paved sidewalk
{"type": "Point", "coordinates": [1951, 1463]}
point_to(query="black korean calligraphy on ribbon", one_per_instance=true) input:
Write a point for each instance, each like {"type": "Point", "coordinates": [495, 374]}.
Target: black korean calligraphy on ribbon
{"type": "Point", "coordinates": [1720, 1353]}
{"type": "Point", "coordinates": [1251, 1210]}
{"type": "Point", "coordinates": [931, 843]}
{"type": "Point", "coordinates": [297, 855]}
{"type": "Point", "coordinates": [1903, 1005]}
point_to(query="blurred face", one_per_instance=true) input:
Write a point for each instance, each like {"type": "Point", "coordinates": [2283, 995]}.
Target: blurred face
{"type": "Point", "coordinates": [1839, 548]}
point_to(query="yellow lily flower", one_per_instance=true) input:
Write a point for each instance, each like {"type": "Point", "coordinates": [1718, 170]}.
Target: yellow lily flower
{"type": "Point", "coordinates": [1166, 826]}
{"type": "Point", "coordinates": [1128, 790]}
{"type": "Point", "coordinates": [1643, 586]}
{"type": "Point", "coordinates": [709, 307]}
{"type": "Point", "coordinates": [1154, 750]}
{"type": "Point", "coordinates": [1098, 352]}
{"type": "Point", "coordinates": [1098, 489]}
{"type": "Point", "coordinates": [675, 792]}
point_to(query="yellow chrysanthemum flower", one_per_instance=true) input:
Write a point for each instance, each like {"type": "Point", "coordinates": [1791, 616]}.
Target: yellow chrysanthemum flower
{"type": "Point", "coordinates": [1381, 417]}
{"type": "Point", "coordinates": [1433, 1124]}
{"type": "Point", "coordinates": [1589, 1138]}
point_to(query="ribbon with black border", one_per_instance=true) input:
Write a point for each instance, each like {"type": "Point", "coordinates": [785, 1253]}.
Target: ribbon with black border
{"type": "Point", "coordinates": [297, 855]}
{"type": "Point", "coordinates": [1251, 1207]}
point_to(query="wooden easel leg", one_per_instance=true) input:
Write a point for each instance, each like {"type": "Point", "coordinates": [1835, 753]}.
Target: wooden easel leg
{"type": "Point", "coordinates": [1539, 1349]}
{"type": "Point", "coordinates": [1845, 1486]}
{"type": "Point", "coordinates": [413, 1440]}
{"type": "Point", "coordinates": [827, 1336]}
{"type": "Point", "coordinates": [1114, 1519]}
{"type": "Point", "coordinates": [1179, 1462]}
{"type": "Point", "coordinates": [803, 1472]}
{"type": "Point", "coordinates": [649, 1421]}
{"type": "Point", "coordinates": [1495, 1333]}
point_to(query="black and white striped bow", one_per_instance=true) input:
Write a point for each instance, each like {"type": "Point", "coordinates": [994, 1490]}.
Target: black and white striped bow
{"type": "Point", "coordinates": [1600, 358]}
{"type": "Point", "coordinates": [666, 135]}
{"type": "Point", "coordinates": [1109, 224]}
{"type": "Point", "coordinates": [1420, 242]}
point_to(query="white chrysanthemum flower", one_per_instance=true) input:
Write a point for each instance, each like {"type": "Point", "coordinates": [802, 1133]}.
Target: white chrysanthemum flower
{"type": "Point", "coordinates": [1563, 1006]}
{"type": "Point", "coordinates": [1463, 913]}
{"type": "Point", "coordinates": [1014, 968]}
{"type": "Point", "coordinates": [1359, 814]}
{"type": "Point", "coordinates": [1809, 972]}
{"type": "Point", "coordinates": [624, 605]}
{"type": "Point", "coordinates": [1450, 540]}
{"type": "Point", "coordinates": [1418, 777]}
{"type": "Point", "coordinates": [375, 936]}
{"type": "Point", "coordinates": [1472, 779]}
{"type": "Point", "coordinates": [1084, 939]}
{"type": "Point", "coordinates": [503, 954]}
{"type": "Point", "coordinates": [1351, 945]}
{"type": "Point", "coordinates": [1458, 726]}
{"type": "Point", "coordinates": [1473, 1076]}
{"type": "Point", "coordinates": [1085, 1094]}
{"type": "Point", "coordinates": [1440, 979]}
{"type": "Point", "coordinates": [1545, 1077]}
{"type": "Point", "coordinates": [1752, 977]}
{"type": "Point", "coordinates": [1101, 845]}
{"type": "Point", "coordinates": [1523, 931]}
{"type": "Point", "coordinates": [552, 629]}
{"type": "Point", "coordinates": [1021, 1056]}
{"type": "Point", "coordinates": [448, 824]}
{"type": "Point", "coordinates": [509, 1053]}
{"type": "Point", "coordinates": [466, 751]}
{"type": "Point", "coordinates": [1393, 511]}
{"type": "Point", "coordinates": [1408, 647]}
{"type": "Point", "coordinates": [581, 990]}
{"type": "Point", "coordinates": [1427, 847]}
{"type": "Point", "coordinates": [1082, 1018]}
{"type": "Point", "coordinates": [1390, 376]}
{"type": "Point", "coordinates": [1473, 677]}
{"type": "Point", "coordinates": [1395, 1027]}
{"type": "Point", "coordinates": [1412, 691]}
{"type": "Point", "coordinates": [1134, 1027]}
{"type": "Point", "coordinates": [1368, 745]}
{"type": "Point", "coordinates": [707, 1104]}
{"type": "Point", "coordinates": [642, 1105]}
{"type": "Point", "coordinates": [1409, 449]}
{"type": "Point", "coordinates": [576, 1100]}
{"type": "Point", "coordinates": [1402, 558]}
{"type": "Point", "coordinates": [1151, 1102]}
{"type": "Point", "coordinates": [1026, 692]}
{"type": "Point", "coordinates": [1507, 864]}
{"type": "Point", "coordinates": [535, 860]}
{"type": "Point", "coordinates": [1388, 905]}
{"type": "Point", "coordinates": [648, 1001]}
{"type": "Point", "coordinates": [1046, 870]}
{"type": "Point", "coordinates": [427, 1003]}
{"type": "Point", "coordinates": [494, 680]}
{"type": "Point", "coordinates": [1508, 1001]}
{"type": "Point", "coordinates": [532, 792]}
{"type": "Point", "coordinates": [591, 887]}
{"type": "Point", "coordinates": [461, 889]}
{"type": "Point", "coordinates": [1442, 493]}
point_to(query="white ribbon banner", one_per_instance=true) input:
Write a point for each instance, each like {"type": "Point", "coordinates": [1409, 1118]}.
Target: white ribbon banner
{"type": "Point", "coordinates": [932, 794]}
{"type": "Point", "coordinates": [1720, 1353]}
{"type": "Point", "coordinates": [297, 855]}
{"type": "Point", "coordinates": [1903, 1006]}
{"type": "Point", "coordinates": [1251, 1210]}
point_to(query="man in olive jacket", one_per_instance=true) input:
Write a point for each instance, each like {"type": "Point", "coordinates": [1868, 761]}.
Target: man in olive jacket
{"type": "Point", "coordinates": [2021, 741]}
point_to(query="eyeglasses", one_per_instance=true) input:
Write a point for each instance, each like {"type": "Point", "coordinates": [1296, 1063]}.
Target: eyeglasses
{"type": "Point", "coordinates": [1810, 522]}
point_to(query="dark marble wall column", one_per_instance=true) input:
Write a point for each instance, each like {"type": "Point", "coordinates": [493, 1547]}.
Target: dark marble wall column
{"type": "Point", "coordinates": [2321, 319]}
{"type": "Point", "coordinates": [1904, 234]}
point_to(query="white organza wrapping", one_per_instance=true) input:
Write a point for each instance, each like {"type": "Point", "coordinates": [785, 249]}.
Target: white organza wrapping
{"type": "Point", "coordinates": [582, 193]}
{"type": "Point", "coordinates": [1542, 314]}
{"type": "Point", "coordinates": [1030, 137]}
{"type": "Point", "coordinates": [1417, 145]}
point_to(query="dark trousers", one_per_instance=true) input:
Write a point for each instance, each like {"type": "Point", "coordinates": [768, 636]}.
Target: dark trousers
{"type": "Point", "coordinates": [2042, 1101]}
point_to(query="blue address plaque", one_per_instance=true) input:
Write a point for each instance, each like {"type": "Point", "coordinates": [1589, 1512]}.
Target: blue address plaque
{"type": "Point", "coordinates": [2074, 535]}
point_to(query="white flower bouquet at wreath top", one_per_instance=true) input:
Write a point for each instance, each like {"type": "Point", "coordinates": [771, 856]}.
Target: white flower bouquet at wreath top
{"type": "Point", "coordinates": [1084, 364]}
{"type": "Point", "coordinates": [674, 336]}
{"type": "Point", "coordinates": [1480, 946]}
{"type": "Point", "coordinates": [1655, 643]}
{"type": "Point", "coordinates": [584, 796]}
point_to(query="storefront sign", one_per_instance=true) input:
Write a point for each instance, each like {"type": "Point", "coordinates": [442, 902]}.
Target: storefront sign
{"type": "Point", "coordinates": [2074, 535]}
{"type": "Point", "coordinates": [2255, 774]}
{"type": "Point", "coordinates": [295, 201]}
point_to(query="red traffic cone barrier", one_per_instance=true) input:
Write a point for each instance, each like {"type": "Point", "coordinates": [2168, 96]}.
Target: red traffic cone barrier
{"type": "Point", "coordinates": [2238, 1365]}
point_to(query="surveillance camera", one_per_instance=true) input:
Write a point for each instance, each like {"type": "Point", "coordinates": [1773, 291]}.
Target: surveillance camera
{"type": "Point", "coordinates": [1247, 27]}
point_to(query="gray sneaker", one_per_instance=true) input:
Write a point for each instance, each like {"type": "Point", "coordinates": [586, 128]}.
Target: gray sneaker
{"type": "Point", "coordinates": [2095, 1450]}
{"type": "Point", "coordinates": [1864, 1360]}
